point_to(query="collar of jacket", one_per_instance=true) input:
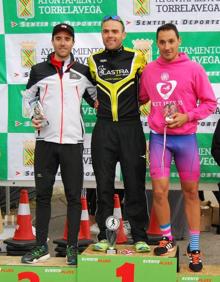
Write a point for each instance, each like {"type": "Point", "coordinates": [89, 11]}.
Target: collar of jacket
{"type": "Point", "coordinates": [114, 52]}
{"type": "Point", "coordinates": [55, 63]}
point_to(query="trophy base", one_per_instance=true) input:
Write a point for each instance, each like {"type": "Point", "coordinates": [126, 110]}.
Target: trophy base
{"type": "Point", "coordinates": [111, 251]}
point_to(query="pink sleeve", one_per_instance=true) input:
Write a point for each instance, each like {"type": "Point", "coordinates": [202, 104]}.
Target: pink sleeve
{"type": "Point", "coordinates": [205, 95]}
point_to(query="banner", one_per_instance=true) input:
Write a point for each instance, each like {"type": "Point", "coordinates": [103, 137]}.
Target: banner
{"type": "Point", "coordinates": [39, 16]}
{"type": "Point", "coordinates": [25, 39]}
{"type": "Point", "coordinates": [188, 15]}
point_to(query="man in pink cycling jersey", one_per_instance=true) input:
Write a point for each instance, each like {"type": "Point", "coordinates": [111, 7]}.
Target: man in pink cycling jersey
{"type": "Point", "coordinates": [180, 95]}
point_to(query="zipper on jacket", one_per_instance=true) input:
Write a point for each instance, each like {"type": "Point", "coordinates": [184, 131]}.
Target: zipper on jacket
{"type": "Point", "coordinates": [61, 121]}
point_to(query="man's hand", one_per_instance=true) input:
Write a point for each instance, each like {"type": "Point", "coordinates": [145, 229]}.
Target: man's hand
{"type": "Point", "coordinates": [145, 108]}
{"type": "Point", "coordinates": [96, 104]}
{"type": "Point", "coordinates": [36, 123]}
{"type": "Point", "coordinates": [177, 120]}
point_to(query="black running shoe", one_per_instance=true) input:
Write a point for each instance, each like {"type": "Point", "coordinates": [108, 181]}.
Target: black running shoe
{"type": "Point", "coordinates": [71, 255]}
{"type": "Point", "coordinates": [195, 262]}
{"type": "Point", "coordinates": [165, 246]}
{"type": "Point", "coordinates": [39, 253]}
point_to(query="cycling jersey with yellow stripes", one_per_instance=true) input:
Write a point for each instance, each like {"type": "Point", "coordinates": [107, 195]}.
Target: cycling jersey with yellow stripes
{"type": "Point", "coordinates": [116, 74]}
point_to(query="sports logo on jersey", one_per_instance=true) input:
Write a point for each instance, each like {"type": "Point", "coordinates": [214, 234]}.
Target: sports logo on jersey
{"type": "Point", "coordinates": [166, 88]}
{"type": "Point", "coordinates": [28, 153]}
{"type": "Point", "coordinates": [74, 75]}
{"type": "Point", "coordinates": [117, 73]}
{"type": "Point", "coordinates": [25, 9]}
{"type": "Point", "coordinates": [141, 7]}
{"type": "Point", "coordinates": [28, 54]}
{"type": "Point", "coordinates": [145, 46]}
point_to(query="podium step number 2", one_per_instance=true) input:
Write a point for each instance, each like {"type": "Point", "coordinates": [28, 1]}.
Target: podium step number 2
{"type": "Point", "coordinates": [31, 276]}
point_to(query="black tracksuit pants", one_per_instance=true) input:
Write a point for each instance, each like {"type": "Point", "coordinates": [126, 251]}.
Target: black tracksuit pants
{"type": "Point", "coordinates": [122, 141]}
{"type": "Point", "coordinates": [48, 157]}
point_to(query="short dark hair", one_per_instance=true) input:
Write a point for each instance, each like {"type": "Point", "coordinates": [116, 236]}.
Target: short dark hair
{"type": "Point", "coordinates": [168, 26]}
{"type": "Point", "coordinates": [63, 27]}
{"type": "Point", "coordinates": [113, 18]}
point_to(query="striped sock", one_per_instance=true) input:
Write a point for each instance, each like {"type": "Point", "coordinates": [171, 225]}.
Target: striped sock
{"type": "Point", "coordinates": [194, 236]}
{"type": "Point", "coordinates": [166, 231]}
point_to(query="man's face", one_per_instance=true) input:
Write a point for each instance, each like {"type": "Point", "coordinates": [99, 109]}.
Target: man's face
{"type": "Point", "coordinates": [168, 44]}
{"type": "Point", "coordinates": [112, 34]}
{"type": "Point", "coordinates": [62, 44]}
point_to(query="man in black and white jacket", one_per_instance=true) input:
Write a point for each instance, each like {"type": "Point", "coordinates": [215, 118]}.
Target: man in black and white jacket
{"type": "Point", "coordinates": [57, 87]}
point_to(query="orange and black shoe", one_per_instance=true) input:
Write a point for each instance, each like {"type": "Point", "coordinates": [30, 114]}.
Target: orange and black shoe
{"type": "Point", "coordinates": [195, 262]}
{"type": "Point", "coordinates": [165, 246]}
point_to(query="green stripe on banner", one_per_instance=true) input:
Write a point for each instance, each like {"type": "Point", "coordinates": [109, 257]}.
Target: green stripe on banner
{"type": "Point", "coordinates": [2, 60]}
{"type": "Point", "coordinates": [210, 171]}
{"type": "Point", "coordinates": [89, 117]}
{"type": "Point", "coordinates": [17, 120]}
{"type": "Point", "coordinates": [3, 156]}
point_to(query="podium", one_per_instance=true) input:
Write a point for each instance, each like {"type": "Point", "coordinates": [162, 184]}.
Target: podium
{"type": "Point", "coordinates": [52, 270]}
{"type": "Point", "coordinates": [126, 266]}
{"type": "Point", "coordinates": [209, 273]}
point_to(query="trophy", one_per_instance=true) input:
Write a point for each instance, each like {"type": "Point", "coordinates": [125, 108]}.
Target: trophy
{"type": "Point", "coordinates": [112, 223]}
{"type": "Point", "coordinates": [169, 111]}
{"type": "Point", "coordinates": [37, 110]}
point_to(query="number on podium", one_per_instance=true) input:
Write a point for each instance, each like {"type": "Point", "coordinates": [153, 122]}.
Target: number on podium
{"type": "Point", "coordinates": [33, 277]}
{"type": "Point", "coordinates": [126, 272]}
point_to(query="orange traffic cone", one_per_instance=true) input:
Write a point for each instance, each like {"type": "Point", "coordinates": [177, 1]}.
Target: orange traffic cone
{"type": "Point", "coordinates": [24, 227]}
{"type": "Point", "coordinates": [84, 232]}
{"type": "Point", "coordinates": [121, 237]}
{"type": "Point", "coordinates": [65, 231]}
{"type": "Point", "coordinates": [154, 228]}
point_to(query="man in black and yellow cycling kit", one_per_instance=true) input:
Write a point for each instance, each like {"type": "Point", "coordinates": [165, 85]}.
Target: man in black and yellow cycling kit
{"type": "Point", "coordinates": [118, 133]}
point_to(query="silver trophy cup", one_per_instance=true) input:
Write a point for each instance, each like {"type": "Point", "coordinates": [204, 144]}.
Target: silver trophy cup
{"type": "Point", "coordinates": [112, 223]}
